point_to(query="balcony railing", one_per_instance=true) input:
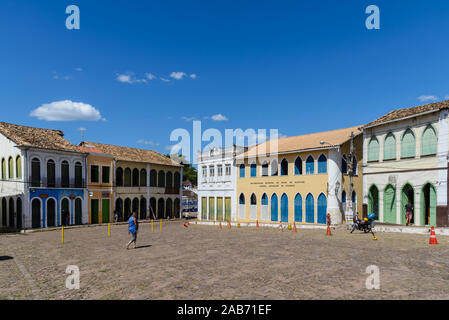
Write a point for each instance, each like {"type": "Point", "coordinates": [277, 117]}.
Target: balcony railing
{"type": "Point", "coordinates": [72, 184]}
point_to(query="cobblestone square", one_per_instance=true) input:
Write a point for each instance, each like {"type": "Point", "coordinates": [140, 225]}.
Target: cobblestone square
{"type": "Point", "coordinates": [208, 263]}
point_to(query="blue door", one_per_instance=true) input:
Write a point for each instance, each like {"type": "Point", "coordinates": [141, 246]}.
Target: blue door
{"type": "Point", "coordinates": [274, 207]}
{"type": "Point", "coordinates": [322, 209]}
{"type": "Point", "coordinates": [298, 208]}
{"type": "Point", "coordinates": [310, 209]}
{"type": "Point", "coordinates": [284, 208]}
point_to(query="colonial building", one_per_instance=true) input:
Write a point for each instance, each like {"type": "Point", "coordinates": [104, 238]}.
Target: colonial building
{"type": "Point", "coordinates": [300, 179]}
{"type": "Point", "coordinates": [217, 183]}
{"type": "Point", "coordinates": [100, 184]}
{"type": "Point", "coordinates": [146, 182]}
{"type": "Point", "coordinates": [406, 160]}
{"type": "Point", "coordinates": [43, 176]}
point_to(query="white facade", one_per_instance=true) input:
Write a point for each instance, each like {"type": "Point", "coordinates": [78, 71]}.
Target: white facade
{"type": "Point", "coordinates": [424, 176]}
{"type": "Point", "coordinates": [217, 176]}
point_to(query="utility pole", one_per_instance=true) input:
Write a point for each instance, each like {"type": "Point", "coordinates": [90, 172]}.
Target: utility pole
{"type": "Point", "coordinates": [351, 173]}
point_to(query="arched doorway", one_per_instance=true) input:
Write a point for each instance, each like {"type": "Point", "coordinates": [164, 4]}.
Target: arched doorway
{"type": "Point", "coordinates": [298, 208]}
{"type": "Point", "coordinates": [65, 212]}
{"type": "Point", "coordinates": [373, 201]}
{"type": "Point", "coordinates": [153, 208]}
{"type": "Point", "coordinates": [36, 213]}
{"type": "Point", "coordinates": [390, 204]}
{"type": "Point", "coordinates": [322, 209]}
{"type": "Point", "coordinates": [11, 213]}
{"type": "Point", "coordinates": [428, 205]}
{"type": "Point", "coordinates": [143, 208]}
{"type": "Point", "coordinates": [169, 208]}
{"type": "Point", "coordinates": [160, 208]}
{"type": "Point", "coordinates": [19, 213]}
{"type": "Point", "coordinates": [407, 196]}
{"type": "Point", "coordinates": [78, 211]}
{"type": "Point", "coordinates": [51, 212]}
{"type": "Point", "coordinates": [136, 206]}
{"type": "Point", "coordinates": [310, 209]}
{"type": "Point", "coordinates": [284, 208]}
{"type": "Point", "coordinates": [4, 212]}
{"type": "Point", "coordinates": [177, 208]}
{"type": "Point", "coordinates": [119, 208]}
{"type": "Point", "coordinates": [274, 208]}
{"type": "Point", "coordinates": [127, 212]}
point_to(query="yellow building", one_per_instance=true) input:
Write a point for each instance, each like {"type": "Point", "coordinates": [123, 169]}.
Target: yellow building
{"type": "Point", "coordinates": [145, 182]}
{"type": "Point", "coordinates": [100, 185]}
{"type": "Point", "coordinates": [299, 179]}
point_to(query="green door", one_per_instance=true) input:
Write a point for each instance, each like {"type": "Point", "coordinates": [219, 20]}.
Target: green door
{"type": "Point", "coordinates": [389, 204]}
{"type": "Point", "coordinates": [373, 201]}
{"type": "Point", "coordinates": [105, 210]}
{"type": "Point", "coordinates": [428, 205]}
{"type": "Point", "coordinates": [220, 209]}
{"type": "Point", "coordinates": [78, 211]}
{"type": "Point", "coordinates": [94, 211]}
{"type": "Point", "coordinates": [211, 208]}
{"type": "Point", "coordinates": [228, 209]}
{"type": "Point", "coordinates": [203, 208]}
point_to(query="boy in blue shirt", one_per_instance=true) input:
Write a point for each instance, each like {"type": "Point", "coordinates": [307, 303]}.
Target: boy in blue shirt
{"type": "Point", "coordinates": [132, 229]}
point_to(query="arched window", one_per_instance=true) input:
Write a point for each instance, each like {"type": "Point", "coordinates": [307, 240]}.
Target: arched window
{"type": "Point", "coordinates": [242, 199]}
{"type": "Point", "coordinates": [264, 199]}
{"type": "Point", "coordinates": [127, 177]}
{"type": "Point", "coordinates": [354, 165]}
{"type": "Point", "coordinates": [35, 172]}
{"type": "Point", "coordinates": [344, 164]}
{"type": "Point", "coordinates": [373, 149]}
{"type": "Point", "coordinates": [390, 147]}
{"type": "Point", "coordinates": [3, 169]}
{"type": "Point", "coordinates": [284, 167]}
{"type": "Point", "coordinates": [51, 174]}
{"type": "Point", "coordinates": [274, 208]}
{"type": "Point", "coordinates": [169, 179]}
{"type": "Point", "coordinates": [322, 164]}
{"type": "Point", "coordinates": [78, 175]}
{"type": "Point", "coordinates": [242, 171]}
{"type": "Point", "coordinates": [265, 169]}
{"type": "Point", "coordinates": [10, 168]}
{"type": "Point", "coordinates": [119, 176]}
{"type": "Point", "coordinates": [135, 177]}
{"type": "Point", "coordinates": [153, 178]}
{"type": "Point", "coordinates": [65, 174]}
{"type": "Point", "coordinates": [19, 167]}
{"type": "Point", "coordinates": [253, 199]}
{"type": "Point", "coordinates": [274, 168]}
{"type": "Point", "coordinates": [177, 182]}
{"type": "Point", "coordinates": [310, 165]}
{"type": "Point", "coordinates": [310, 208]}
{"type": "Point", "coordinates": [298, 208]}
{"type": "Point", "coordinates": [429, 141]}
{"type": "Point", "coordinates": [408, 145]}
{"type": "Point", "coordinates": [161, 179]}
{"type": "Point", "coordinates": [253, 169]}
{"type": "Point", "coordinates": [143, 178]}
{"type": "Point", "coordinates": [298, 166]}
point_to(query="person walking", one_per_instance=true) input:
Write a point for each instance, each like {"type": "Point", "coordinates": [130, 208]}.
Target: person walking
{"type": "Point", "coordinates": [132, 229]}
{"type": "Point", "coordinates": [409, 213]}
{"type": "Point", "coordinates": [115, 216]}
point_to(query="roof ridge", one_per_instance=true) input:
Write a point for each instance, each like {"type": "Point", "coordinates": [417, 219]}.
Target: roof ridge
{"type": "Point", "coordinates": [30, 127]}
{"type": "Point", "coordinates": [115, 145]}
{"type": "Point", "coordinates": [319, 132]}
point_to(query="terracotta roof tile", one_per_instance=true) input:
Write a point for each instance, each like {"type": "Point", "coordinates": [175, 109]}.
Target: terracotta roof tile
{"type": "Point", "coordinates": [37, 138]}
{"type": "Point", "coordinates": [407, 112]}
{"type": "Point", "coordinates": [304, 142]}
{"type": "Point", "coordinates": [133, 154]}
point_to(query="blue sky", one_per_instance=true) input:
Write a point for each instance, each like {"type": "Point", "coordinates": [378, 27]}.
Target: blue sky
{"type": "Point", "coordinates": [298, 66]}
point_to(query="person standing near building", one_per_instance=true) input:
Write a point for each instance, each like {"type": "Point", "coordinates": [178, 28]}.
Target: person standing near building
{"type": "Point", "coordinates": [132, 229]}
{"type": "Point", "coordinates": [409, 213]}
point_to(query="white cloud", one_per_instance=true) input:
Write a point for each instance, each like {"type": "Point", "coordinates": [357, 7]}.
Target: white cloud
{"type": "Point", "coordinates": [188, 118]}
{"type": "Point", "coordinates": [66, 110]}
{"type": "Point", "coordinates": [173, 149]}
{"type": "Point", "coordinates": [150, 76]}
{"type": "Point", "coordinates": [165, 80]}
{"type": "Point", "coordinates": [129, 78]}
{"type": "Point", "coordinates": [178, 75]}
{"type": "Point", "coordinates": [193, 76]}
{"type": "Point", "coordinates": [424, 98]}
{"type": "Point", "coordinates": [149, 143]}
{"type": "Point", "coordinates": [219, 117]}
{"type": "Point", "coordinates": [78, 69]}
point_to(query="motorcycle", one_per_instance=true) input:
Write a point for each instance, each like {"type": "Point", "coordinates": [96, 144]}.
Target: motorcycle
{"type": "Point", "coordinates": [366, 225]}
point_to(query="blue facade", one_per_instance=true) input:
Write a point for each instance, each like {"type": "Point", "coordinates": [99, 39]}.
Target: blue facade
{"type": "Point", "coordinates": [58, 194]}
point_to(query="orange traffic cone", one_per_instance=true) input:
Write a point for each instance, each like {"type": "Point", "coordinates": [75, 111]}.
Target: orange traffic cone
{"type": "Point", "coordinates": [257, 223]}
{"type": "Point", "coordinates": [328, 233]}
{"type": "Point", "coordinates": [433, 237]}
{"type": "Point", "coordinates": [219, 225]}
{"type": "Point", "coordinates": [294, 227]}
